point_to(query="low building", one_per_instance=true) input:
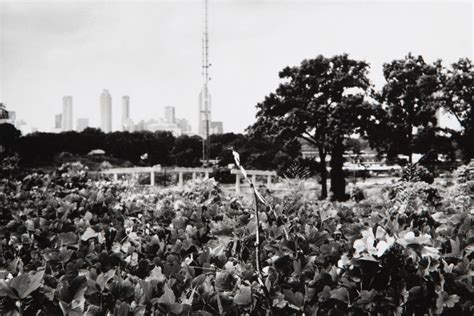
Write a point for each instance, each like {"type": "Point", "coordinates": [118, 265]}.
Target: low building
{"type": "Point", "coordinates": [217, 127]}
{"type": "Point", "coordinates": [161, 125]}
{"type": "Point", "coordinates": [6, 116]}
{"type": "Point", "coordinates": [82, 124]}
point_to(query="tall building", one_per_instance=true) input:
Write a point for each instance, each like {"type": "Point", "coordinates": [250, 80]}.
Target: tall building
{"type": "Point", "coordinates": [105, 111]}
{"type": "Point", "coordinates": [127, 124]}
{"type": "Point", "coordinates": [82, 124]}
{"type": "Point", "coordinates": [217, 128]}
{"type": "Point", "coordinates": [170, 114]}
{"type": "Point", "coordinates": [67, 114]}
{"type": "Point", "coordinates": [58, 118]}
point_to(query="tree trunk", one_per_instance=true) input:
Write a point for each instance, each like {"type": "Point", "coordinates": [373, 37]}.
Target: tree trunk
{"type": "Point", "coordinates": [338, 183]}
{"type": "Point", "coordinates": [324, 173]}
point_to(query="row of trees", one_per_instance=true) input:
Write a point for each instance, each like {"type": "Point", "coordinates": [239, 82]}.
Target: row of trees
{"type": "Point", "coordinates": [326, 100]}
{"type": "Point", "coordinates": [160, 147]}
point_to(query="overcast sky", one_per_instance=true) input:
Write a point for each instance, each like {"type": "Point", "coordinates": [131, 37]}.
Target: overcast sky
{"type": "Point", "coordinates": [151, 51]}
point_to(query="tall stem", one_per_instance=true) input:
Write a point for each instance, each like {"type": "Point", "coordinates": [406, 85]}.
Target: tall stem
{"type": "Point", "coordinates": [323, 172]}
{"type": "Point", "coordinates": [257, 237]}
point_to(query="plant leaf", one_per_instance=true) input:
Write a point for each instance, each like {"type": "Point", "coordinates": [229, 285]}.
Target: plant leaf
{"type": "Point", "coordinates": [88, 234]}
{"type": "Point", "coordinates": [25, 284]}
{"type": "Point", "coordinates": [103, 278]}
{"type": "Point", "coordinates": [243, 296]}
{"type": "Point", "coordinates": [168, 296]}
{"type": "Point", "coordinates": [5, 290]}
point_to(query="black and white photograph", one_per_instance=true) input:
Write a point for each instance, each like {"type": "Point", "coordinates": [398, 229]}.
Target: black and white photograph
{"type": "Point", "coordinates": [236, 157]}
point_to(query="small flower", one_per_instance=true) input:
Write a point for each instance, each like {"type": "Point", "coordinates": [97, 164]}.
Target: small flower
{"type": "Point", "coordinates": [375, 245]}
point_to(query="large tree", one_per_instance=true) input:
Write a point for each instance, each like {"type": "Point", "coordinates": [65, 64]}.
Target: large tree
{"type": "Point", "coordinates": [409, 104]}
{"type": "Point", "coordinates": [322, 101]}
{"type": "Point", "coordinates": [458, 99]}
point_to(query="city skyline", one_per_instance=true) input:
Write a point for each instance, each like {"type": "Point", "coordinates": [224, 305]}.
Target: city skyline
{"type": "Point", "coordinates": [153, 54]}
{"type": "Point", "coordinates": [106, 109]}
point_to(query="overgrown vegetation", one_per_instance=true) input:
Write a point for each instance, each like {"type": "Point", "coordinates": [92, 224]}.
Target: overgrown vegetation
{"type": "Point", "coordinates": [73, 246]}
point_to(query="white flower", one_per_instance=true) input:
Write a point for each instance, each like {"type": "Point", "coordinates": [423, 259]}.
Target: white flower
{"type": "Point", "coordinates": [375, 245]}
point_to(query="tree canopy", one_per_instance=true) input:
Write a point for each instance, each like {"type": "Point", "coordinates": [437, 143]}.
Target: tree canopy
{"type": "Point", "coordinates": [322, 101]}
{"type": "Point", "coordinates": [458, 99]}
{"type": "Point", "coordinates": [409, 104]}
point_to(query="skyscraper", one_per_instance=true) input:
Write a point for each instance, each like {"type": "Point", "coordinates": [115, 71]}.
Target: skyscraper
{"type": "Point", "coordinates": [58, 118]}
{"type": "Point", "coordinates": [67, 114]}
{"type": "Point", "coordinates": [126, 122]}
{"type": "Point", "coordinates": [170, 114]}
{"type": "Point", "coordinates": [105, 111]}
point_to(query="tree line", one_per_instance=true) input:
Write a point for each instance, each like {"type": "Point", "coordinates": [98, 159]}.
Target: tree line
{"type": "Point", "coordinates": [161, 147]}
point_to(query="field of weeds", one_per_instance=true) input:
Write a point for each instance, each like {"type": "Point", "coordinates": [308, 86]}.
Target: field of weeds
{"type": "Point", "coordinates": [73, 246]}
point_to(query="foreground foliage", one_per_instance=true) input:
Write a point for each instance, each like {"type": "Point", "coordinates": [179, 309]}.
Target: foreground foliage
{"type": "Point", "coordinates": [73, 246]}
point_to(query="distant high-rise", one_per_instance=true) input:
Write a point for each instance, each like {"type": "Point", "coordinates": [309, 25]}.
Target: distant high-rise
{"type": "Point", "coordinates": [183, 124]}
{"type": "Point", "coordinates": [126, 121]}
{"type": "Point", "coordinates": [217, 128]}
{"type": "Point", "coordinates": [58, 118]}
{"type": "Point", "coordinates": [105, 111]}
{"type": "Point", "coordinates": [170, 114]}
{"type": "Point", "coordinates": [66, 124]}
{"type": "Point", "coordinates": [82, 124]}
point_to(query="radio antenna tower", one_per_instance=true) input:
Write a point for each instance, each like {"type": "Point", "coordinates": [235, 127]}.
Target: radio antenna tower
{"type": "Point", "coordinates": [205, 97]}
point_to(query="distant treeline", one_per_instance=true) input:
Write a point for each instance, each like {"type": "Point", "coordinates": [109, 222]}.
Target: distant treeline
{"type": "Point", "coordinates": [161, 148]}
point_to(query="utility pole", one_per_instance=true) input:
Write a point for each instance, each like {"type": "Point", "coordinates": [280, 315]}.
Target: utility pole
{"type": "Point", "coordinates": [205, 107]}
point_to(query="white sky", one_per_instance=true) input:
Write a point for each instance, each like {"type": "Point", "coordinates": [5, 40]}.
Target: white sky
{"type": "Point", "coordinates": [151, 50]}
